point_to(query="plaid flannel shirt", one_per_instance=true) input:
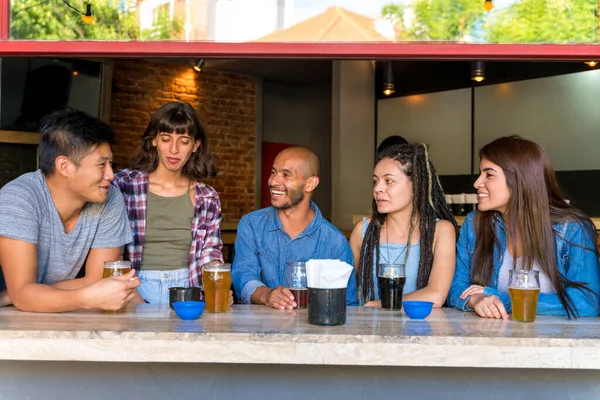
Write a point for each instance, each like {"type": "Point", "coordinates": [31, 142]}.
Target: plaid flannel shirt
{"type": "Point", "coordinates": [205, 230]}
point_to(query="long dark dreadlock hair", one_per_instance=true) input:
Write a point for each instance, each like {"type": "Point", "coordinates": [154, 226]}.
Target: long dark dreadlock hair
{"type": "Point", "coordinates": [428, 204]}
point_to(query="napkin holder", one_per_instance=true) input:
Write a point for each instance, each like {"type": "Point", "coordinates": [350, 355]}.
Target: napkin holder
{"type": "Point", "coordinates": [326, 306]}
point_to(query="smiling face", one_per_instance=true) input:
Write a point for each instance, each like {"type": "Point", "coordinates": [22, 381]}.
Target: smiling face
{"type": "Point", "coordinates": [392, 189]}
{"type": "Point", "coordinates": [492, 190]}
{"type": "Point", "coordinates": [174, 150]}
{"type": "Point", "coordinates": [91, 178]}
{"type": "Point", "coordinates": [288, 183]}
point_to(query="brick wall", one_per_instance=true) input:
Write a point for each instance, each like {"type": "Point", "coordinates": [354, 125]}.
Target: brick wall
{"type": "Point", "coordinates": [226, 103]}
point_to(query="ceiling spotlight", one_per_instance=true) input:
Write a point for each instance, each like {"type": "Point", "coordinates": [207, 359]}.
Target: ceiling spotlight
{"type": "Point", "coordinates": [488, 5]}
{"type": "Point", "coordinates": [477, 71]}
{"type": "Point", "coordinates": [591, 64]}
{"type": "Point", "coordinates": [198, 65]}
{"type": "Point", "coordinates": [388, 79]}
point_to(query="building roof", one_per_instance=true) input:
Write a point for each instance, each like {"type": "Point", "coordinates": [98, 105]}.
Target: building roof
{"type": "Point", "coordinates": [335, 24]}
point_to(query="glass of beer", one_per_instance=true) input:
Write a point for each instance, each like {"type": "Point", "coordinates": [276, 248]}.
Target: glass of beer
{"type": "Point", "coordinates": [116, 268]}
{"type": "Point", "coordinates": [391, 279]}
{"type": "Point", "coordinates": [216, 280]}
{"type": "Point", "coordinates": [295, 281]}
{"type": "Point", "coordinates": [524, 289]}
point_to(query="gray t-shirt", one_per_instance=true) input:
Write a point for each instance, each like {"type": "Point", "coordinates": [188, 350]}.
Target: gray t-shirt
{"type": "Point", "coordinates": [28, 213]}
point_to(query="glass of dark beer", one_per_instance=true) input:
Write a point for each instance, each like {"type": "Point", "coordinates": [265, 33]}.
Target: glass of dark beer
{"type": "Point", "coordinates": [391, 279]}
{"type": "Point", "coordinates": [295, 281]}
{"type": "Point", "coordinates": [524, 290]}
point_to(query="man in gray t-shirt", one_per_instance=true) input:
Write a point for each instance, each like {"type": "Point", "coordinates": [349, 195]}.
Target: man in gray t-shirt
{"type": "Point", "coordinates": [62, 217]}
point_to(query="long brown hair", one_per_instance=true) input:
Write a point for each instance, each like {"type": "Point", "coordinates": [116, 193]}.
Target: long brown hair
{"type": "Point", "coordinates": [536, 202]}
{"type": "Point", "coordinates": [428, 204]}
{"type": "Point", "coordinates": [181, 118]}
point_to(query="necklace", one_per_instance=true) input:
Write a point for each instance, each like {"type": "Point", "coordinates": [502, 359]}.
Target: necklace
{"type": "Point", "coordinates": [388, 248]}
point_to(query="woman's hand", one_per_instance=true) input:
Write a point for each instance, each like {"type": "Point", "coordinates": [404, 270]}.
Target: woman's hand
{"type": "Point", "coordinates": [471, 291]}
{"type": "Point", "coordinates": [4, 298]}
{"type": "Point", "coordinates": [374, 303]}
{"type": "Point", "coordinates": [487, 306]}
{"type": "Point", "coordinates": [230, 298]}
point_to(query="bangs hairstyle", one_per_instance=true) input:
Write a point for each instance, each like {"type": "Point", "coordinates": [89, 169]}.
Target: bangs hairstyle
{"type": "Point", "coordinates": [179, 118]}
{"type": "Point", "coordinates": [428, 203]}
{"type": "Point", "coordinates": [70, 133]}
{"type": "Point", "coordinates": [536, 202]}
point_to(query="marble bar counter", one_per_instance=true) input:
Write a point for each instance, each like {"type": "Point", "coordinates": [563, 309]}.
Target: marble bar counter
{"type": "Point", "coordinates": [259, 335]}
{"type": "Point", "coordinates": [252, 351]}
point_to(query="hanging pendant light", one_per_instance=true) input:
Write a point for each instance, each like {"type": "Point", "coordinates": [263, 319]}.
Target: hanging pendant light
{"type": "Point", "coordinates": [488, 5]}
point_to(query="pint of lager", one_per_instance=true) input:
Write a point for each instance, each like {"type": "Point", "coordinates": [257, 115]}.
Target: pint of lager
{"type": "Point", "coordinates": [116, 268]}
{"type": "Point", "coordinates": [216, 280]}
{"type": "Point", "coordinates": [524, 289]}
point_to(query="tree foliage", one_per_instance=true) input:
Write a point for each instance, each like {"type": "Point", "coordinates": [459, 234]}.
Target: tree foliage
{"type": "Point", "coordinates": [523, 21]}
{"type": "Point", "coordinates": [435, 19]}
{"type": "Point", "coordinates": [54, 20]}
{"type": "Point", "coordinates": [546, 21]}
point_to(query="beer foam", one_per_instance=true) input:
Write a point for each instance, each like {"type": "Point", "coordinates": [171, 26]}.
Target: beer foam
{"type": "Point", "coordinates": [218, 270]}
{"type": "Point", "coordinates": [391, 275]}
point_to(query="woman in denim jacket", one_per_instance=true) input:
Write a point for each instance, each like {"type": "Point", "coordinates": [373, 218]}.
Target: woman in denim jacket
{"type": "Point", "coordinates": [524, 222]}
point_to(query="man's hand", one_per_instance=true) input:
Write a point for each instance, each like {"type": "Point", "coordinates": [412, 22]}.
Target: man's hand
{"type": "Point", "coordinates": [112, 293]}
{"type": "Point", "coordinates": [280, 298]}
{"type": "Point", "coordinates": [4, 298]}
{"type": "Point", "coordinates": [488, 306]}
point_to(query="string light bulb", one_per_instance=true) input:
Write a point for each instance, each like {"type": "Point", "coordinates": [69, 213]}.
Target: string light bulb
{"type": "Point", "coordinates": [87, 16]}
{"type": "Point", "coordinates": [478, 71]}
{"type": "Point", "coordinates": [488, 5]}
{"type": "Point", "coordinates": [591, 64]}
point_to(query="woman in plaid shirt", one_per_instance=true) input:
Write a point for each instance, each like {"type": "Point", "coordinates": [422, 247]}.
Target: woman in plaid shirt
{"type": "Point", "coordinates": [174, 216]}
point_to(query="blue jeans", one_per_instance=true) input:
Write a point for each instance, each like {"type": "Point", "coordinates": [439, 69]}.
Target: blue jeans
{"type": "Point", "coordinates": [154, 285]}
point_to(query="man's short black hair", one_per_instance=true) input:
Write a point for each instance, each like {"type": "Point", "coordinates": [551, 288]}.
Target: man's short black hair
{"type": "Point", "coordinates": [389, 142]}
{"type": "Point", "coordinates": [71, 133]}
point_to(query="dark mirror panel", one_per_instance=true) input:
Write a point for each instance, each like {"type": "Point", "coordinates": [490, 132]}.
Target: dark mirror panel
{"type": "Point", "coordinates": [34, 87]}
{"type": "Point", "coordinates": [15, 160]}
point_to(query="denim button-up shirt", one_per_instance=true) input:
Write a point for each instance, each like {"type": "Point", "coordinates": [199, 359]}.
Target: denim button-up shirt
{"type": "Point", "coordinates": [263, 248]}
{"type": "Point", "coordinates": [575, 258]}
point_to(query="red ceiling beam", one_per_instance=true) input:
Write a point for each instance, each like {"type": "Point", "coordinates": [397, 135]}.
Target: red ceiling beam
{"type": "Point", "coordinates": [300, 50]}
{"type": "Point", "coordinates": [4, 19]}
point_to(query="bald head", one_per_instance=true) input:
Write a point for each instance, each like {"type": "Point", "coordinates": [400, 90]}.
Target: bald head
{"type": "Point", "coordinates": [311, 164]}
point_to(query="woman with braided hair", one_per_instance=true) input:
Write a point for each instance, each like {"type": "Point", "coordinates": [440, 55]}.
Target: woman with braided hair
{"type": "Point", "coordinates": [411, 224]}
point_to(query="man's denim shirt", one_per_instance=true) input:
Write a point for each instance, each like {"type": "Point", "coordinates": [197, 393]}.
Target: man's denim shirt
{"type": "Point", "coordinates": [575, 259]}
{"type": "Point", "coordinates": [263, 248]}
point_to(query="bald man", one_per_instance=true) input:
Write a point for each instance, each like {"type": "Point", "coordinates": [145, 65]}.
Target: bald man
{"type": "Point", "coordinates": [292, 229]}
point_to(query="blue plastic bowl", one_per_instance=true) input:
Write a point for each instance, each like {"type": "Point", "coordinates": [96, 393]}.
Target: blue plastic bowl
{"type": "Point", "coordinates": [416, 309]}
{"type": "Point", "coordinates": [189, 310]}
